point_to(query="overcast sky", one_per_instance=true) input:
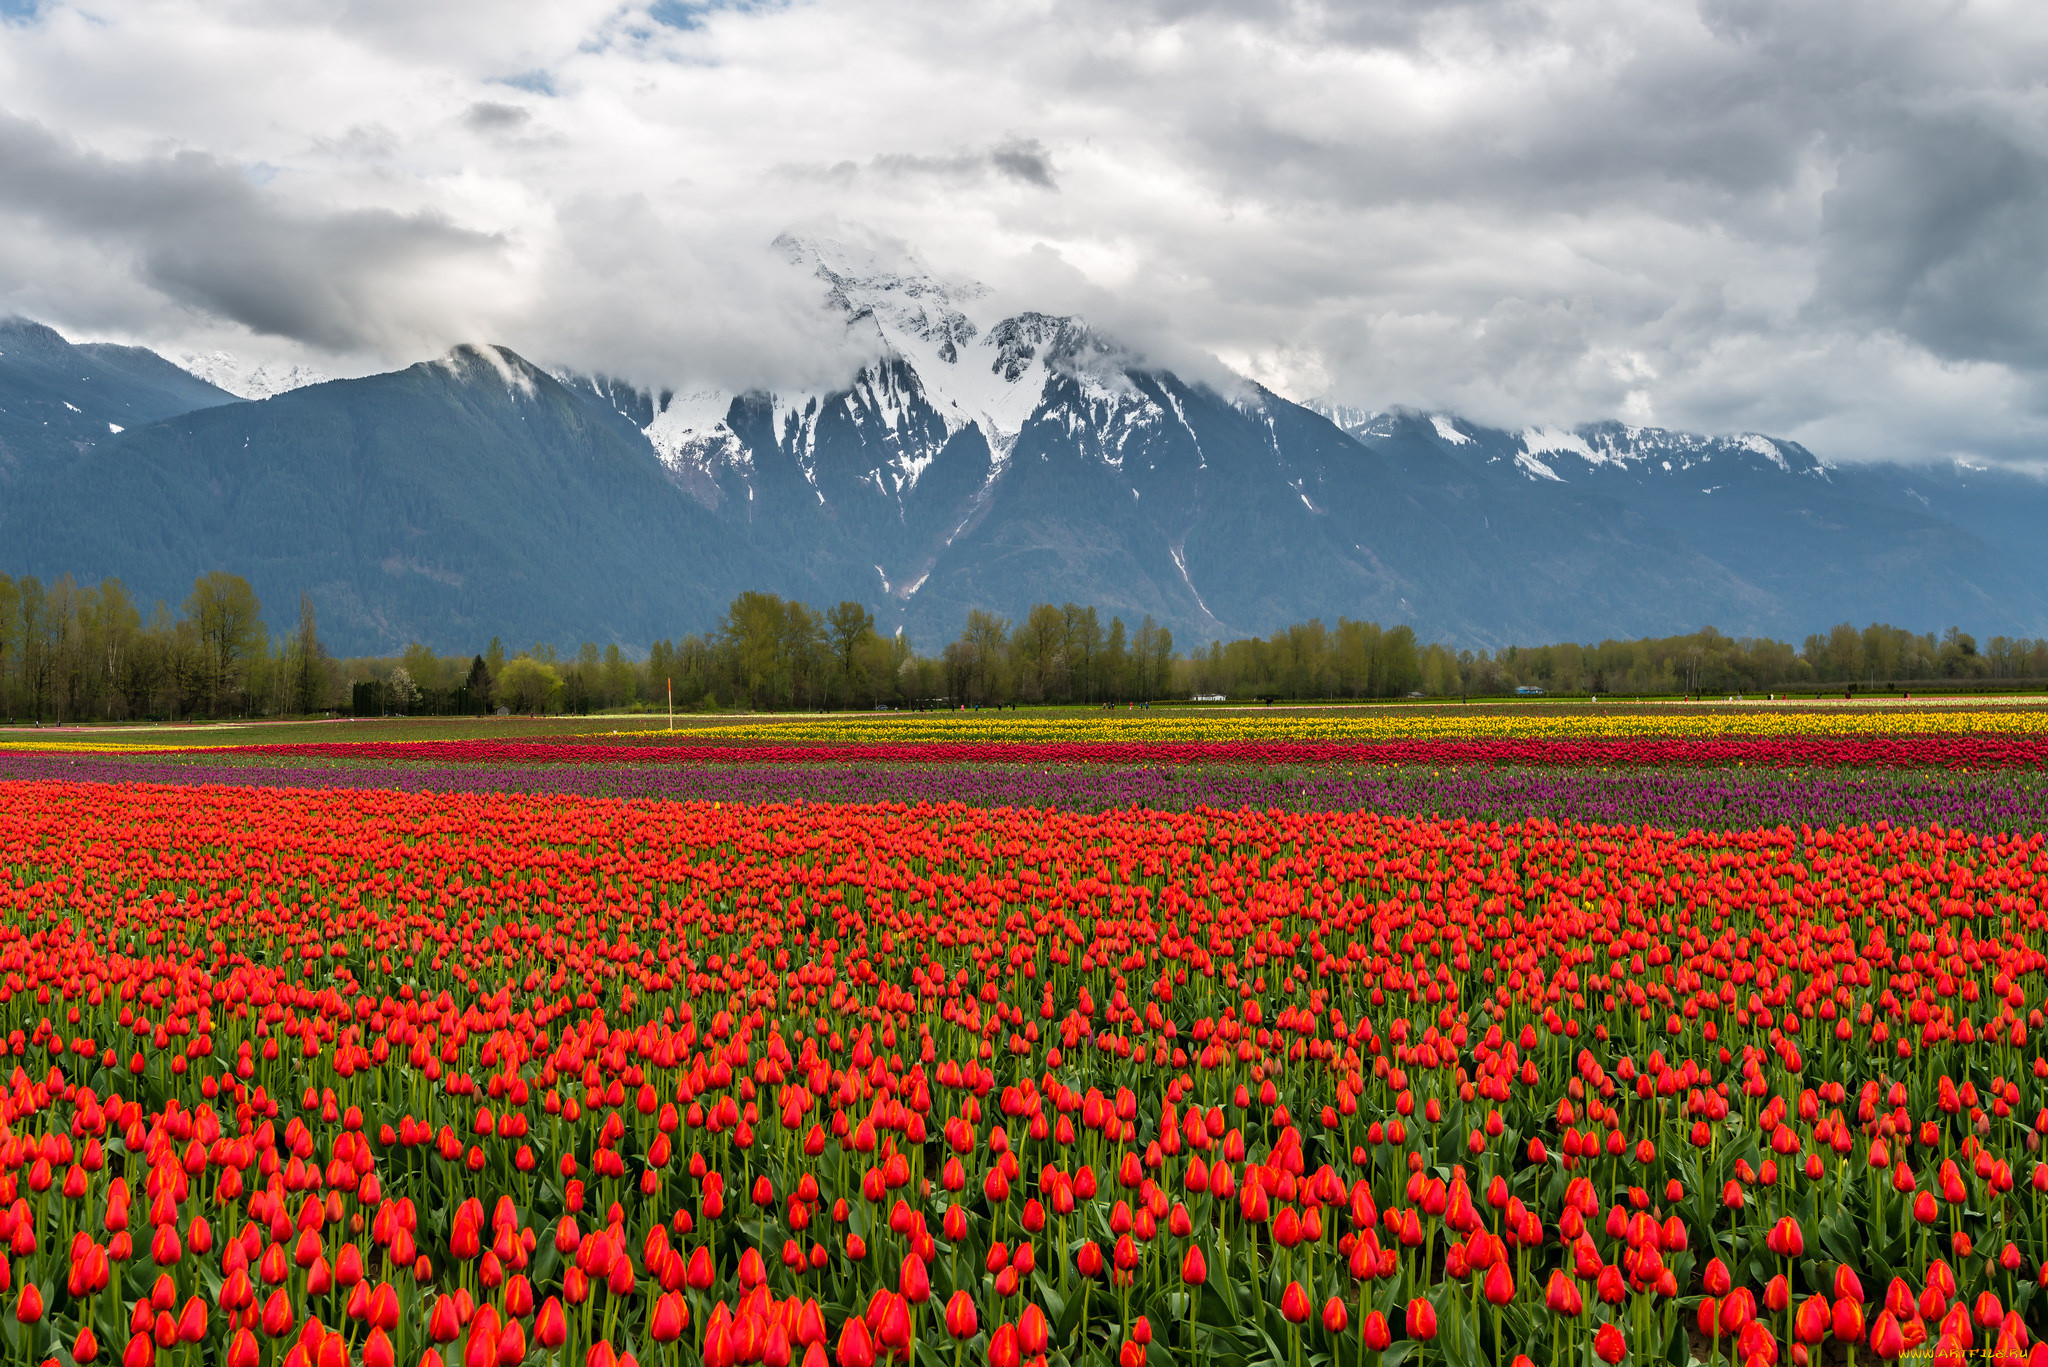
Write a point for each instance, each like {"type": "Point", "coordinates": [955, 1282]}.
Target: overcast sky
{"type": "Point", "coordinates": [1824, 220]}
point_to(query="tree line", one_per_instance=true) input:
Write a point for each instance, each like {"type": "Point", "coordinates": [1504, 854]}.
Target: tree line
{"type": "Point", "coordinates": [86, 652]}
{"type": "Point", "coordinates": [71, 651]}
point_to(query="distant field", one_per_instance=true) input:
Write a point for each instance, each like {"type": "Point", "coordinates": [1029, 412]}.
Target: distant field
{"type": "Point", "coordinates": [342, 730]}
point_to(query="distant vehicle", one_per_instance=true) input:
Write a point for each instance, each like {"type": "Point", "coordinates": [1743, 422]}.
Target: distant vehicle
{"type": "Point", "coordinates": [1528, 691]}
{"type": "Point", "coordinates": [1209, 697]}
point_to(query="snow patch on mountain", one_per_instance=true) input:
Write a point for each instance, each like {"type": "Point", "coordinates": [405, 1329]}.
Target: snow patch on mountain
{"type": "Point", "coordinates": [971, 369]}
{"type": "Point", "coordinates": [1765, 447]}
{"type": "Point", "coordinates": [690, 435]}
{"type": "Point", "coordinates": [1448, 430]}
{"type": "Point", "coordinates": [1539, 441]}
{"type": "Point", "coordinates": [253, 380]}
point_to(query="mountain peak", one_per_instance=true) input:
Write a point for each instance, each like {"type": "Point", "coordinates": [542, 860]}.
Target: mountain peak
{"type": "Point", "coordinates": [26, 334]}
{"type": "Point", "coordinates": [254, 380]}
{"type": "Point", "coordinates": [471, 362]}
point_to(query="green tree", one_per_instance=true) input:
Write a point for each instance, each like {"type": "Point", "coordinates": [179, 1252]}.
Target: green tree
{"type": "Point", "coordinates": [1440, 676]}
{"type": "Point", "coordinates": [223, 611]}
{"type": "Point", "coordinates": [620, 681]}
{"type": "Point", "coordinates": [476, 689]}
{"type": "Point", "coordinates": [1116, 661]}
{"type": "Point", "coordinates": [309, 661]}
{"type": "Point", "coordinates": [807, 653]}
{"type": "Point", "coordinates": [849, 625]}
{"type": "Point", "coordinates": [430, 676]}
{"type": "Point", "coordinates": [1400, 665]}
{"type": "Point", "coordinates": [529, 685]}
{"type": "Point", "coordinates": [751, 636]}
{"type": "Point", "coordinates": [1081, 646]}
{"type": "Point", "coordinates": [10, 636]}
{"type": "Point", "coordinates": [30, 602]}
{"type": "Point", "coordinates": [1038, 654]}
{"type": "Point", "coordinates": [983, 648]}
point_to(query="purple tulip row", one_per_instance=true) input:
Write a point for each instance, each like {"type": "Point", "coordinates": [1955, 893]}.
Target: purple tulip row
{"type": "Point", "coordinates": [1667, 798]}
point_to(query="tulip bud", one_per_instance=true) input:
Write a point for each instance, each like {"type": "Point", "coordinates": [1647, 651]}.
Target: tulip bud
{"type": "Point", "coordinates": [550, 1325]}
{"type": "Point", "coordinates": [1813, 1321]}
{"type": "Point", "coordinates": [963, 1321]}
{"type": "Point", "coordinates": [1033, 1332]}
{"type": "Point", "coordinates": [1887, 1340]}
{"type": "Point", "coordinates": [669, 1318]}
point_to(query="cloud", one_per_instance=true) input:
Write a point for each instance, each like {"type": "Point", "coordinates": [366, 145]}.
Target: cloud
{"type": "Point", "coordinates": [206, 235]}
{"type": "Point", "coordinates": [1819, 220]}
{"type": "Point", "coordinates": [489, 116]}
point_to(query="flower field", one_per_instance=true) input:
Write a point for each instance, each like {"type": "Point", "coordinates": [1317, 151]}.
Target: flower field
{"type": "Point", "coordinates": [488, 1053]}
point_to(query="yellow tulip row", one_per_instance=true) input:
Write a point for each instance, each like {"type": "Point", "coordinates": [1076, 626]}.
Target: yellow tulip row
{"type": "Point", "coordinates": [989, 726]}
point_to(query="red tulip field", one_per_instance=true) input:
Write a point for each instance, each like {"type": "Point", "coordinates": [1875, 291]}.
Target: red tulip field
{"type": "Point", "coordinates": [312, 1078]}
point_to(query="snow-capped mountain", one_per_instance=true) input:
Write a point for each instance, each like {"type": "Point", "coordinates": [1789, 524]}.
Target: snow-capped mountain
{"type": "Point", "coordinates": [982, 458]}
{"type": "Point", "coordinates": [952, 384]}
{"type": "Point", "coordinates": [1593, 450]}
{"type": "Point", "coordinates": [942, 366]}
{"type": "Point", "coordinates": [249, 379]}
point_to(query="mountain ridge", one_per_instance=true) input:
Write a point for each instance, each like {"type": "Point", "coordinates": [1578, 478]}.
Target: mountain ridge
{"type": "Point", "coordinates": [981, 460]}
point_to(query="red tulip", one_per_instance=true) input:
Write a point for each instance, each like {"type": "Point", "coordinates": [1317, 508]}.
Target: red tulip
{"type": "Point", "coordinates": [856, 1349]}
{"type": "Point", "coordinates": [1886, 1339]}
{"type": "Point", "coordinates": [1561, 1296]}
{"type": "Point", "coordinates": [1033, 1332]}
{"type": "Point", "coordinates": [669, 1318]}
{"type": "Point", "coordinates": [1609, 1344]}
{"type": "Point", "coordinates": [550, 1325]}
{"type": "Point", "coordinates": [913, 1281]}
{"type": "Point", "coordinates": [1194, 1269]}
{"type": "Point", "coordinates": [961, 1316]}
{"type": "Point", "coordinates": [1813, 1321]}
{"type": "Point", "coordinates": [1421, 1319]}
{"type": "Point", "coordinates": [1294, 1304]}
